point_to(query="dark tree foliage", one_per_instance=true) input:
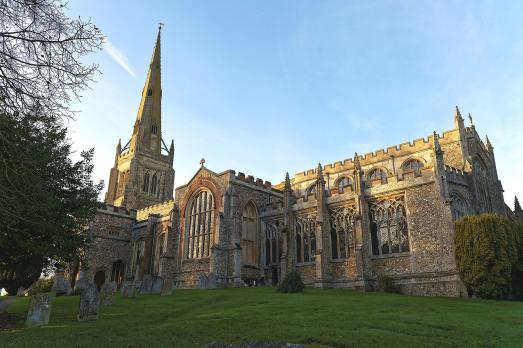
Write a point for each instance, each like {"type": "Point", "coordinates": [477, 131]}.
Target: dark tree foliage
{"type": "Point", "coordinates": [487, 247]}
{"type": "Point", "coordinates": [40, 57]}
{"type": "Point", "coordinates": [292, 283]}
{"type": "Point", "coordinates": [46, 199]}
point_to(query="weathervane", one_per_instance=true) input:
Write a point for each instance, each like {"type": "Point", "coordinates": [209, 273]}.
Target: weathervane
{"type": "Point", "coordinates": [202, 162]}
{"type": "Point", "coordinates": [160, 25]}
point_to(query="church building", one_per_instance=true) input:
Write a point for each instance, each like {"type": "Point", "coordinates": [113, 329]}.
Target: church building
{"type": "Point", "coordinates": [387, 214]}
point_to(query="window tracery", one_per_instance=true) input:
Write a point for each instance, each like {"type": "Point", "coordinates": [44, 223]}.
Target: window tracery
{"type": "Point", "coordinates": [377, 176]}
{"type": "Point", "coordinates": [389, 230]}
{"type": "Point", "coordinates": [344, 183]}
{"type": "Point", "coordinates": [146, 178]}
{"type": "Point", "coordinates": [412, 166]}
{"type": "Point", "coordinates": [272, 244]}
{"type": "Point", "coordinates": [305, 239]}
{"type": "Point", "coordinates": [199, 225]}
{"type": "Point", "coordinates": [459, 206]}
{"type": "Point", "coordinates": [342, 233]}
{"type": "Point", "coordinates": [249, 234]}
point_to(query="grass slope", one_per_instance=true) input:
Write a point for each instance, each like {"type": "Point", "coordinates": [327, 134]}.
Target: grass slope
{"type": "Point", "coordinates": [318, 318]}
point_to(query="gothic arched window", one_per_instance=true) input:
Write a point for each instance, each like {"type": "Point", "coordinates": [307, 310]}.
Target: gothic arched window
{"type": "Point", "coordinates": [149, 92]}
{"type": "Point", "coordinates": [305, 240]}
{"type": "Point", "coordinates": [146, 182]}
{"type": "Point", "coordinates": [344, 183]}
{"type": "Point", "coordinates": [412, 166]}
{"type": "Point", "coordinates": [377, 177]}
{"type": "Point", "coordinates": [249, 234]}
{"type": "Point", "coordinates": [311, 190]}
{"type": "Point", "coordinates": [118, 272]}
{"type": "Point", "coordinates": [459, 206]}
{"type": "Point", "coordinates": [199, 224]}
{"type": "Point", "coordinates": [342, 233]}
{"type": "Point", "coordinates": [389, 231]}
{"type": "Point", "coordinates": [272, 244]}
{"type": "Point", "coordinates": [159, 249]}
{"type": "Point", "coordinates": [154, 184]}
{"type": "Point", "coordinates": [154, 129]}
{"type": "Point", "coordinates": [138, 251]}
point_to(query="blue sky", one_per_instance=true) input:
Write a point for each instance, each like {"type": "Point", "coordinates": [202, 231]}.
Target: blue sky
{"type": "Point", "coordinates": [265, 87]}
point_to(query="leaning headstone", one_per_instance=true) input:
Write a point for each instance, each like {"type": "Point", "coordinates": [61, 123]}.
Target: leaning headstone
{"type": "Point", "coordinates": [39, 310]}
{"type": "Point", "coordinates": [128, 290]}
{"type": "Point", "coordinates": [106, 295]}
{"type": "Point", "coordinates": [60, 285]}
{"type": "Point", "coordinates": [21, 292]}
{"type": "Point", "coordinates": [89, 302]}
{"type": "Point", "coordinates": [167, 287]}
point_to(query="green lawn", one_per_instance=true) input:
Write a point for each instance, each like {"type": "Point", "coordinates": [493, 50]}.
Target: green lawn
{"type": "Point", "coordinates": [318, 318]}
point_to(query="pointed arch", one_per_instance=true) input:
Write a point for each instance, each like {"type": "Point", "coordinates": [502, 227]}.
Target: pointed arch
{"type": "Point", "coordinates": [154, 183]}
{"type": "Point", "coordinates": [377, 176]}
{"type": "Point", "coordinates": [199, 223]}
{"type": "Point", "coordinates": [412, 165]}
{"type": "Point", "coordinates": [343, 183]}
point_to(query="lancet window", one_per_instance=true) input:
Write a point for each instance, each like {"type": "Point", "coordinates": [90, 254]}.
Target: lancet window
{"type": "Point", "coordinates": [305, 239]}
{"type": "Point", "coordinates": [389, 230]}
{"type": "Point", "coordinates": [342, 233]}
{"type": "Point", "coordinates": [199, 224]}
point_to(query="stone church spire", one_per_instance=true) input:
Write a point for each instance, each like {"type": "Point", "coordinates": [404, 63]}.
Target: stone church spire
{"type": "Point", "coordinates": [142, 175]}
{"type": "Point", "coordinates": [147, 132]}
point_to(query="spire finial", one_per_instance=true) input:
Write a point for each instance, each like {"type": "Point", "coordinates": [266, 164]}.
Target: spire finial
{"type": "Point", "coordinates": [487, 143]}
{"type": "Point", "coordinates": [287, 182]}
{"type": "Point", "coordinates": [517, 207]}
{"type": "Point", "coordinates": [437, 146]}
{"type": "Point", "coordinates": [470, 120]}
{"type": "Point", "coordinates": [457, 114]}
{"type": "Point", "coordinates": [320, 170]}
{"type": "Point", "coordinates": [356, 161]}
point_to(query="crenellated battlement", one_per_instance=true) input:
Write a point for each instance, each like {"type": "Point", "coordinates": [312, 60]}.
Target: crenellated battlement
{"type": "Point", "coordinates": [163, 209]}
{"type": "Point", "coordinates": [109, 208]}
{"type": "Point", "coordinates": [404, 149]}
{"type": "Point", "coordinates": [250, 180]}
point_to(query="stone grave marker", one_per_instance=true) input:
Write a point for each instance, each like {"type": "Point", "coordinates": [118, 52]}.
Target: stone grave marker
{"type": "Point", "coordinates": [39, 310]}
{"type": "Point", "coordinates": [89, 303]}
{"type": "Point", "coordinates": [107, 294]}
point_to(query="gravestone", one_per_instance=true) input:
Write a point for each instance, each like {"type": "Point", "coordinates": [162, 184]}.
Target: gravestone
{"type": "Point", "coordinates": [106, 295]}
{"type": "Point", "coordinates": [21, 292]}
{"type": "Point", "coordinates": [157, 285]}
{"type": "Point", "coordinates": [128, 290]}
{"type": "Point", "coordinates": [167, 287]}
{"type": "Point", "coordinates": [39, 310]}
{"type": "Point", "coordinates": [4, 303]}
{"type": "Point", "coordinates": [61, 286]}
{"type": "Point", "coordinates": [146, 284]}
{"type": "Point", "coordinates": [89, 302]}
{"type": "Point", "coordinates": [81, 283]}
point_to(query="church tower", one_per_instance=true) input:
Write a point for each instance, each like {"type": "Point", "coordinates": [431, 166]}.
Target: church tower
{"type": "Point", "coordinates": [143, 171]}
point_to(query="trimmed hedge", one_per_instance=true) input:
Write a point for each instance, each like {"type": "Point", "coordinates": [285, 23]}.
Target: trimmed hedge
{"type": "Point", "coordinates": [487, 249]}
{"type": "Point", "coordinates": [292, 283]}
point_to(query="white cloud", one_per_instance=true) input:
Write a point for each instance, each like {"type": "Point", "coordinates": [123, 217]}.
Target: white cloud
{"type": "Point", "coordinates": [118, 56]}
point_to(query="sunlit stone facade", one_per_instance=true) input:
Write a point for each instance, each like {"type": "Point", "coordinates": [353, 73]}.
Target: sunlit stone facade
{"type": "Point", "coordinates": [389, 213]}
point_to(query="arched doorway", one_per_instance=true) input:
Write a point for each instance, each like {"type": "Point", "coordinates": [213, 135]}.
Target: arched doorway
{"type": "Point", "coordinates": [99, 279]}
{"type": "Point", "coordinates": [274, 275]}
{"type": "Point", "coordinates": [118, 272]}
